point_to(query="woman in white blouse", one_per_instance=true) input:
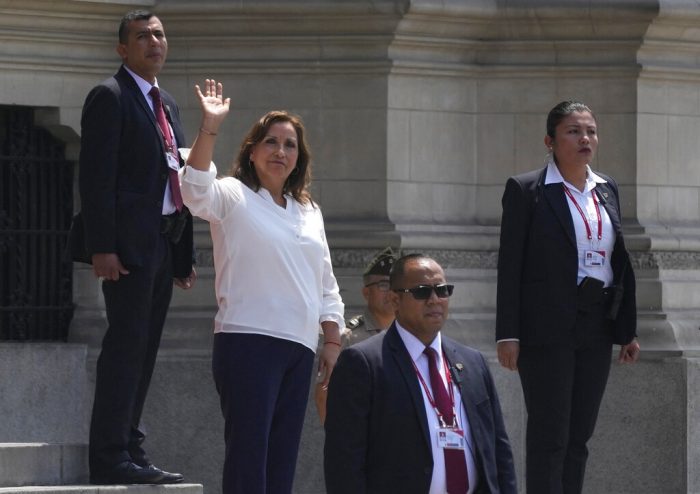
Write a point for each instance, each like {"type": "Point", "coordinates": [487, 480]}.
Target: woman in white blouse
{"type": "Point", "coordinates": [274, 286]}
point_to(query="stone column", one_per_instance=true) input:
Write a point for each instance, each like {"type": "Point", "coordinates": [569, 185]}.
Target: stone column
{"type": "Point", "coordinates": [417, 112]}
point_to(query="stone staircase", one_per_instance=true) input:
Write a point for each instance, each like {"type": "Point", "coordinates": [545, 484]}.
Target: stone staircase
{"type": "Point", "coordinates": [102, 489]}
{"type": "Point", "coordinates": [44, 407]}
{"type": "Point", "coordinates": [29, 468]}
{"type": "Point", "coordinates": [43, 464]}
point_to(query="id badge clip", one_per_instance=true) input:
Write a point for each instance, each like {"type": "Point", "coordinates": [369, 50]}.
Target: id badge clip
{"type": "Point", "coordinates": [173, 162]}
{"type": "Point", "coordinates": [449, 438]}
{"type": "Point", "coordinates": [594, 258]}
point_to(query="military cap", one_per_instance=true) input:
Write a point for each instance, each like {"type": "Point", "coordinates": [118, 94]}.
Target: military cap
{"type": "Point", "coordinates": [381, 264]}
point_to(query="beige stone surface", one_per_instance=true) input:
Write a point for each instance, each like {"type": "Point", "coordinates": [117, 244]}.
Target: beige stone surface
{"type": "Point", "coordinates": [417, 113]}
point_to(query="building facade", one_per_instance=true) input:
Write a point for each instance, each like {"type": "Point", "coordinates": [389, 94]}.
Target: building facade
{"type": "Point", "coordinates": [417, 112]}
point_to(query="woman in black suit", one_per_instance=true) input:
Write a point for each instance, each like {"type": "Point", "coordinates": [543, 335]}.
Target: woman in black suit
{"type": "Point", "coordinates": [566, 293]}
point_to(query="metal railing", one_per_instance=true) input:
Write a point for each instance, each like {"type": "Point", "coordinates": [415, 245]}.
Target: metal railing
{"type": "Point", "coordinates": [36, 205]}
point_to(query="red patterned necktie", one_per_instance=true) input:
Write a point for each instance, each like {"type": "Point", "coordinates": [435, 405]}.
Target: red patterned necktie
{"type": "Point", "coordinates": [455, 462]}
{"type": "Point", "coordinates": [165, 130]}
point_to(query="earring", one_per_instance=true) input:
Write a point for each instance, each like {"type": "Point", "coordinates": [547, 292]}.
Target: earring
{"type": "Point", "coordinates": [549, 157]}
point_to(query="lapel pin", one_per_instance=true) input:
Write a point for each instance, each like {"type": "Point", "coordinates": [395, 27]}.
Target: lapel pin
{"type": "Point", "coordinates": [459, 366]}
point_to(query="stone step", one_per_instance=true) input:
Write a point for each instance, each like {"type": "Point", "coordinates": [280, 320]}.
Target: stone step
{"type": "Point", "coordinates": [106, 489]}
{"type": "Point", "coordinates": [42, 464]}
{"type": "Point", "coordinates": [44, 393]}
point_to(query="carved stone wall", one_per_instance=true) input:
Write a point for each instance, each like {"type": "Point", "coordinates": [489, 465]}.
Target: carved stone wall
{"type": "Point", "coordinates": [417, 112]}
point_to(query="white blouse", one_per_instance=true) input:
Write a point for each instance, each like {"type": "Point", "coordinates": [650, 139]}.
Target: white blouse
{"type": "Point", "coordinates": [585, 201]}
{"type": "Point", "coordinates": [273, 267]}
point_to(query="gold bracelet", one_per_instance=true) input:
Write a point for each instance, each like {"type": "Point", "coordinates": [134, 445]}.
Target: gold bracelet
{"type": "Point", "coordinates": [203, 131]}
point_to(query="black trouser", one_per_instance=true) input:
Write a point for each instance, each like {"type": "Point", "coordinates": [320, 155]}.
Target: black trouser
{"type": "Point", "coordinates": [136, 307]}
{"type": "Point", "coordinates": [563, 388]}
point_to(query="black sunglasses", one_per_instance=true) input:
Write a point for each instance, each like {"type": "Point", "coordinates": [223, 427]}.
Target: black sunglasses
{"type": "Point", "coordinates": [423, 292]}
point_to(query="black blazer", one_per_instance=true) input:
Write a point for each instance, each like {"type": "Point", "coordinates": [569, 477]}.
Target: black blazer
{"type": "Point", "coordinates": [377, 437]}
{"type": "Point", "coordinates": [538, 263]}
{"type": "Point", "coordinates": [123, 173]}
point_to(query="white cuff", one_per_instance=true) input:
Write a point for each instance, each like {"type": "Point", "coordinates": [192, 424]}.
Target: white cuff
{"type": "Point", "coordinates": [194, 176]}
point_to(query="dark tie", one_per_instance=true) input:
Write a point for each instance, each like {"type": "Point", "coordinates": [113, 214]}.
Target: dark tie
{"type": "Point", "coordinates": [455, 463]}
{"type": "Point", "coordinates": [167, 136]}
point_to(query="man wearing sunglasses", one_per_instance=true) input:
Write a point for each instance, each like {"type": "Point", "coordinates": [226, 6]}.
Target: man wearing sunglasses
{"type": "Point", "coordinates": [411, 410]}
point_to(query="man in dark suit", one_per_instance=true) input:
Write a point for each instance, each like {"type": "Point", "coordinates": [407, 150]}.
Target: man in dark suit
{"type": "Point", "coordinates": [138, 237]}
{"type": "Point", "coordinates": [388, 428]}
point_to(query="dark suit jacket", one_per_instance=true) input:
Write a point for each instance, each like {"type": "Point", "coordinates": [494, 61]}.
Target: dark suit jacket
{"type": "Point", "coordinates": [123, 173]}
{"type": "Point", "coordinates": [377, 437]}
{"type": "Point", "coordinates": [538, 263]}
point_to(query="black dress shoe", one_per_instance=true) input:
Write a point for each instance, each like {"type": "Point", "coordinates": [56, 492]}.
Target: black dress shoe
{"type": "Point", "coordinates": [128, 472]}
{"type": "Point", "coordinates": [167, 477]}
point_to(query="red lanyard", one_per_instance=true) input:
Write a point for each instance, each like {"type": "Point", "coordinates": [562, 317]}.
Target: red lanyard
{"type": "Point", "coordinates": [430, 396]}
{"type": "Point", "coordinates": [585, 220]}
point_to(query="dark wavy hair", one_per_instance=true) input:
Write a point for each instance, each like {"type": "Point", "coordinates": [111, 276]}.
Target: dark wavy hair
{"type": "Point", "coordinates": [298, 182]}
{"type": "Point", "coordinates": [563, 110]}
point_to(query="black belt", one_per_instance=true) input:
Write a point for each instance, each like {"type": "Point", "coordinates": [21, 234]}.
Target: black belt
{"type": "Point", "coordinates": [167, 223]}
{"type": "Point", "coordinates": [172, 225]}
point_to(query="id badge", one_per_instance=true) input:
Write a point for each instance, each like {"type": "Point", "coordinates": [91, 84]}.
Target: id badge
{"type": "Point", "coordinates": [594, 258]}
{"type": "Point", "coordinates": [451, 438]}
{"type": "Point", "coordinates": [173, 162]}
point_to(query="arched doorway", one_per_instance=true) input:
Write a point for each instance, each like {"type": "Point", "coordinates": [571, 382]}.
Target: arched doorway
{"type": "Point", "coordinates": [36, 204]}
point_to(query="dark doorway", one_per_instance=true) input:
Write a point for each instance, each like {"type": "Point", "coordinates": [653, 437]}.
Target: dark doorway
{"type": "Point", "coordinates": [36, 205]}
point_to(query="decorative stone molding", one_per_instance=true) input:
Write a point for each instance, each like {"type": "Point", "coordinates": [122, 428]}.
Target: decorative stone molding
{"type": "Point", "coordinates": [357, 259]}
{"type": "Point", "coordinates": [678, 260]}
{"type": "Point", "coordinates": [205, 257]}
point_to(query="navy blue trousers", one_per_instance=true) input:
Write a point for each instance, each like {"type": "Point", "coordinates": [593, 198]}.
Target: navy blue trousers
{"type": "Point", "coordinates": [263, 384]}
{"type": "Point", "coordinates": [136, 307]}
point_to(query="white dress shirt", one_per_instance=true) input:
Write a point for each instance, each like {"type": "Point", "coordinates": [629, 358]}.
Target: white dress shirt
{"type": "Point", "coordinates": [585, 201]}
{"type": "Point", "coordinates": [415, 347]}
{"type": "Point", "coordinates": [273, 267]}
{"type": "Point", "coordinates": [145, 87]}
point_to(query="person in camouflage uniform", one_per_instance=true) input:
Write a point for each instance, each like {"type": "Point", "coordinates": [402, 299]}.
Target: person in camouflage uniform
{"type": "Point", "coordinates": [377, 316]}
